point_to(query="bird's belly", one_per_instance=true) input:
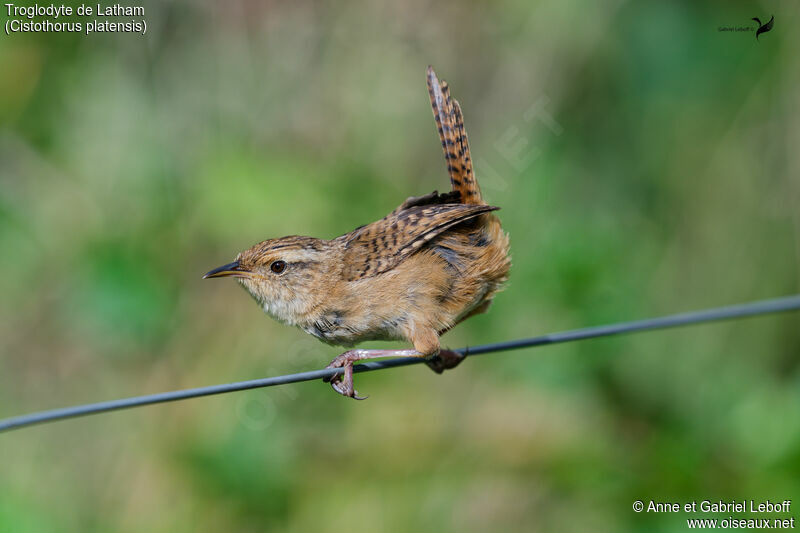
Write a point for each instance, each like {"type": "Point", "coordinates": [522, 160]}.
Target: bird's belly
{"type": "Point", "coordinates": [355, 332]}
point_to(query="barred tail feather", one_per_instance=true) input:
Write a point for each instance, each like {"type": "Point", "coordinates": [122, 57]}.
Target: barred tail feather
{"type": "Point", "coordinates": [450, 123]}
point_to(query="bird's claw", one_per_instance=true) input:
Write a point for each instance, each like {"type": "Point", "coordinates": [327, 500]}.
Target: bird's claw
{"type": "Point", "coordinates": [343, 382]}
{"type": "Point", "coordinates": [444, 360]}
{"type": "Point", "coordinates": [345, 390]}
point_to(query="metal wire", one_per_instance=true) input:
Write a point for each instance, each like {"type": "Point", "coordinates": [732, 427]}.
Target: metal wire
{"type": "Point", "coordinates": [778, 305]}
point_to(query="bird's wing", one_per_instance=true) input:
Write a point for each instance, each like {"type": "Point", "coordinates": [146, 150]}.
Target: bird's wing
{"type": "Point", "coordinates": [450, 124]}
{"type": "Point", "coordinates": [768, 25]}
{"type": "Point", "coordinates": [452, 197]}
{"type": "Point", "coordinates": [382, 245]}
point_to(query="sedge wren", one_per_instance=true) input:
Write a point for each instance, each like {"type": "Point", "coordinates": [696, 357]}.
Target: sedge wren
{"type": "Point", "coordinates": [434, 261]}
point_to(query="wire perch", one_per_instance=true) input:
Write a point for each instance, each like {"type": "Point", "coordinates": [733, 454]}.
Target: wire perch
{"type": "Point", "coordinates": [763, 307]}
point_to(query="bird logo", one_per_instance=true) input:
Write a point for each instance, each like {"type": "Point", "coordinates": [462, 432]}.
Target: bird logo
{"type": "Point", "coordinates": [764, 28]}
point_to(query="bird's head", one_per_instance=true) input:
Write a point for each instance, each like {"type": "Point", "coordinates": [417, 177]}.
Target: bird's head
{"type": "Point", "coordinates": [285, 276]}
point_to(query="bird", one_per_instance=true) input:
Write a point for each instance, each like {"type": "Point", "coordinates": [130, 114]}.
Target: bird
{"type": "Point", "coordinates": [763, 28]}
{"type": "Point", "coordinates": [433, 262]}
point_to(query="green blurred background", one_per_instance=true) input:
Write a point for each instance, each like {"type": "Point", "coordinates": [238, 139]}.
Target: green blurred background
{"type": "Point", "coordinates": [646, 163]}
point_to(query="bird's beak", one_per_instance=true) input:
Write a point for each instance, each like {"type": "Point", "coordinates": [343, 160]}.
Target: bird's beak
{"type": "Point", "coordinates": [231, 269]}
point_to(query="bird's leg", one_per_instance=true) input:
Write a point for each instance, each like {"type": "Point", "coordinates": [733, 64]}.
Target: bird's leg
{"type": "Point", "coordinates": [343, 383]}
{"type": "Point", "coordinates": [426, 345]}
{"type": "Point", "coordinates": [426, 342]}
{"type": "Point", "coordinates": [447, 359]}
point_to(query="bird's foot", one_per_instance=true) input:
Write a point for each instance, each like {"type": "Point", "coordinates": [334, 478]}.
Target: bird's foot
{"type": "Point", "coordinates": [343, 383]}
{"type": "Point", "coordinates": [444, 360]}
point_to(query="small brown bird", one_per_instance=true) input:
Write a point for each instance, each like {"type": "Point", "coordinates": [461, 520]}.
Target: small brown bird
{"type": "Point", "coordinates": [431, 263]}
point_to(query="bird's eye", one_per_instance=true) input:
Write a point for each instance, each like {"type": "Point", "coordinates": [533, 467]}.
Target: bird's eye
{"type": "Point", "coordinates": [278, 266]}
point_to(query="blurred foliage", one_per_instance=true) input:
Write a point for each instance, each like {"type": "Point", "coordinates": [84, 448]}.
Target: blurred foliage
{"type": "Point", "coordinates": [667, 180]}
